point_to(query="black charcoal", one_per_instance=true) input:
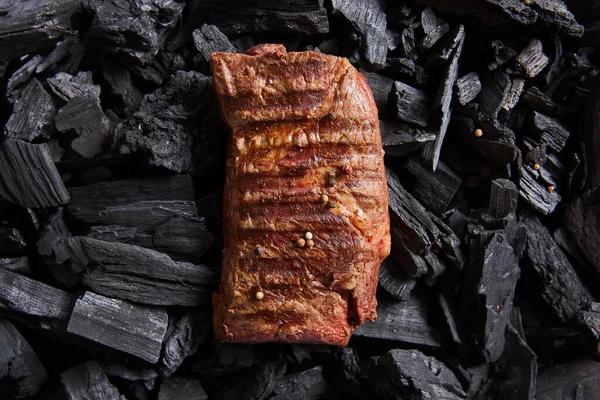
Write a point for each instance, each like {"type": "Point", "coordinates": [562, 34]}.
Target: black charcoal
{"type": "Point", "coordinates": [468, 87]}
{"type": "Point", "coordinates": [435, 190]}
{"type": "Point", "coordinates": [164, 127]}
{"type": "Point", "coordinates": [145, 376]}
{"type": "Point", "coordinates": [514, 95]}
{"type": "Point", "coordinates": [590, 137]}
{"type": "Point", "coordinates": [503, 198]}
{"type": "Point", "coordinates": [406, 70]}
{"type": "Point", "coordinates": [12, 242]}
{"type": "Point", "coordinates": [18, 265]}
{"type": "Point", "coordinates": [381, 86]}
{"type": "Point", "coordinates": [130, 328]}
{"type": "Point", "coordinates": [19, 365]}
{"type": "Point", "coordinates": [578, 379]}
{"type": "Point", "coordinates": [555, 13]}
{"type": "Point", "coordinates": [88, 202]}
{"type": "Point", "coordinates": [28, 176]}
{"type": "Point", "coordinates": [532, 60]}
{"type": "Point", "coordinates": [412, 105]}
{"type": "Point", "coordinates": [550, 131]}
{"type": "Point", "coordinates": [305, 385]}
{"type": "Point", "coordinates": [406, 321]}
{"type": "Point", "coordinates": [590, 318]}
{"type": "Point", "coordinates": [63, 49]}
{"type": "Point", "coordinates": [519, 363]}
{"type": "Point", "coordinates": [536, 100]}
{"type": "Point", "coordinates": [33, 113]}
{"type": "Point", "coordinates": [580, 221]}
{"type": "Point", "coordinates": [450, 317]}
{"type": "Point", "coordinates": [410, 374]}
{"type": "Point", "coordinates": [257, 384]}
{"type": "Point", "coordinates": [183, 338]}
{"type": "Point", "coordinates": [88, 381]}
{"type": "Point", "coordinates": [67, 86]}
{"type": "Point", "coordinates": [440, 55]}
{"type": "Point", "coordinates": [501, 53]}
{"type": "Point", "coordinates": [495, 88]}
{"type": "Point", "coordinates": [33, 301]}
{"type": "Point", "coordinates": [22, 75]}
{"type": "Point", "coordinates": [409, 47]}
{"type": "Point", "coordinates": [434, 28]}
{"type": "Point", "coordinates": [121, 85]}
{"type": "Point", "coordinates": [400, 139]}
{"type": "Point", "coordinates": [537, 190]}
{"type": "Point", "coordinates": [209, 39]}
{"type": "Point", "coordinates": [394, 280]}
{"type": "Point", "coordinates": [181, 388]}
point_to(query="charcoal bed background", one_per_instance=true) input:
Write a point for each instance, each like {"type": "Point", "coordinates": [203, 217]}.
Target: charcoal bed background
{"type": "Point", "coordinates": [111, 175]}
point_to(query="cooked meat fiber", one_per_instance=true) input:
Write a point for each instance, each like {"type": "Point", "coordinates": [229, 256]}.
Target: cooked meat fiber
{"type": "Point", "coordinates": [306, 212]}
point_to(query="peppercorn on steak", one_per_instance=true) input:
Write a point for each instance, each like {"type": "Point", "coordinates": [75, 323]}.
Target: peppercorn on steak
{"type": "Point", "coordinates": [306, 220]}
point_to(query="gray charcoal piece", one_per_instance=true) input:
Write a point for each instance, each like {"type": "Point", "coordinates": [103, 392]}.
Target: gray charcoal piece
{"type": "Point", "coordinates": [181, 388]}
{"type": "Point", "coordinates": [410, 374]}
{"type": "Point", "coordinates": [405, 321]}
{"type": "Point", "coordinates": [555, 13]}
{"type": "Point", "coordinates": [406, 69]}
{"type": "Point", "coordinates": [32, 115]}
{"type": "Point", "coordinates": [123, 326]}
{"type": "Point", "coordinates": [28, 176]}
{"type": "Point", "coordinates": [19, 365]}
{"type": "Point", "coordinates": [450, 317]}
{"type": "Point", "coordinates": [22, 75]}
{"type": "Point", "coordinates": [67, 86]}
{"type": "Point", "coordinates": [516, 9]}
{"type": "Point", "coordinates": [503, 198]}
{"type": "Point", "coordinates": [500, 54]}
{"type": "Point", "coordinates": [516, 89]}
{"type": "Point", "coordinates": [536, 100]}
{"type": "Point", "coordinates": [435, 190]}
{"type": "Point", "coordinates": [305, 385]}
{"type": "Point", "coordinates": [64, 48]}
{"type": "Point", "coordinates": [33, 301]}
{"type": "Point", "coordinates": [532, 60]}
{"type": "Point", "coordinates": [580, 379]}
{"type": "Point", "coordinates": [88, 381]}
{"type": "Point", "coordinates": [88, 202]}
{"type": "Point", "coordinates": [183, 338]}
{"type": "Point", "coordinates": [121, 84]}
{"type": "Point", "coordinates": [84, 116]}
{"type": "Point", "coordinates": [401, 139]}
{"type": "Point", "coordinates": [412, 105]}
{"type": "Point", "coordinates": [467, 88]}
{"type": "Point", "coordinates": [394, 280]}
{"type": "Point", "coordinates": [550, 131]}
{"type": "Point", "coordinates": [409, 47]}
{"type": "Point", "coordinates": [590, 318]}
{"type": "Point", "coordinates": [580, 221]}
{"type": "Point", "coordinates": [443, 53]}
{"type": "Point", "coordinates": [555, 67]}
{"type": "Point", "coordinates": [434, 28]}
{"type": "Point", "coordinates": [495, 89]}
{"type": "Point", "coordinates": [518, 356]}
{"type": "Point", "coordinates": [562, 289]}
{"type": "Point", "coordinates": [209, 39]}
{"type": "Point", "coordinates": [233, 20]}
{"type": "Point", "coordinates": [19, 265]}
{"type": "Point", "coordinates": [533, 188]}
{"type": "Point", "coordinates": [381, 86]}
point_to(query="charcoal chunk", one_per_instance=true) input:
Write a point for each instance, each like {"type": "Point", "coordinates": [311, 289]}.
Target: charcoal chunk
{"type": "Point", "coordinates": [500, 53]}
{"type": "Point", "coordinates": [181, 388]}
{"type": "Point", "coordinates": [467, 88]}
{"type": "Point", "coordinates": [556, 13]}
{"type": "Point", "coordinates": [409, 47]}
{"type": "Point", "coordinates": [578, 379]}
{"type": "Point", "coordinates": [435, 190]}
{"type": "Point", "coordinates": [412, 105]}
{"type": "Point", "coordinates": [405, 69]}
{"type": "Point", "coordinates": [503, 198]}
{"type": "Point", "coordinates": [121, 85]}
{"type": "Point", "coordinates": [381, 86]}
{"type": "Point", "coordinates": [441, 54]}
{"type": "Point", "coordinates": [19, 364]}
{"type": "Point", "coordinates": [534, 188]}
{"type": "Point", "coordinates": [133, 329]}
{"type": "Point", "coordinates": [209, 39]}
{"type": "Point", "coordinates": [67, 86]}
{"type": "Point", "coordinates": [306, 385]}
{"type": "Point", "coordinates": [536, 100]}
{"type": "Point", "coordinates": [590, 318]}
{"type": "Point", "coordinates": [519, 363]}
{"type": "Point", "coordinates": [495, 88]}
{"type": "Point", "coordinates": [18, 265]}
{"type": "Point", "coordinates": [550, 131]}
{"type": "Point", "coordinates": [164, 128]}
{"type": "Point", "coordinates": [88, 381]}
{"type": "Point", "coordinates": [32, 115]}
{"type": "Point", "coordinates": [395, 281]}
{"type": "Point", "coordinates": [410, 374]}
{"type": "Point", "coordinates": [88, 202]}
{"type": "Point", "coordinates": [532, 60]}
{"type": "Point", "coordinates": [258, 384]}
{"type": "Point", "coordinates": [234, 19]}
{"type": "Point", "coordinates": [22, 75]}
{"type": "Point", "coordinates": [514, 95]}
{"type": "Point", "coordinates": [183, 338]}
{"type": "Point", "coordinates": [580, 221]}
{"type": "Point", "coordinates": [435, 28]}
{"type": "Point", "coordinates": [405, 321]}
{"type": "Point", "coordinates": [28, 176]}
{"type": "Point", "coordinates": [400, 139]}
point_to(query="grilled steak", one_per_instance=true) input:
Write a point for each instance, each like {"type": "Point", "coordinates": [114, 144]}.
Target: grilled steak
{"type": "Point", "coordinates": [306, 220]}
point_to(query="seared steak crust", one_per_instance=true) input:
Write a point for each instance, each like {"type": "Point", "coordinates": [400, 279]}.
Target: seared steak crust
{"type": "Point", "coordinates": [305, 155]}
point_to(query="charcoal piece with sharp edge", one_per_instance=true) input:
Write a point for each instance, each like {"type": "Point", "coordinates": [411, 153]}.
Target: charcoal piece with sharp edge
{"type": "Point", "coordinates": [33, 114]}
{"type": "Point", "coordinates": [19, 265]}
{"type": "Point", "coordinates": [534, 188]}
{"type": "Point", "coordinates": [579, 378]}
{"type": "Point", "coordinates": [400, 139]}
{"type": "Point", "coordinates": [536, 100]}
{"type": "Point", "coordinates": [145, 276]}
{"type": "Point", "coordinates": [394, 280]}
{"type": "Point", "coordinates": [62, 252]}
{"type": "Point", "coordinates": [208, 39]}
{"type": "Point", "coordinates": [26, 27]}
{"type": "Point", "coordinates": [405, 321]}
{"type": "Point", "coordinates": [28, 176]}
{"type": "Point", "coordinates": [181, 388]}
{"type": "Point", "coordinates": [433, 27]}
{"type": "Point", "coordinates": [123, 326]}
{"type": "Point", "coordinates": [532, 60]}
{"type": "Point", "coordinates": [404, 374]}
{"type": "Point", "coordinates": [22, 75]}
{"type": "Point", "coordinates": [64, 48]}
{"type": "Point", "coordinates": [440, 55]}
{"type": "Point", "coordinates": [409, 48]}
{"type": "Point", "coordinates": [84, 117]}
{"type": "Point", "coordinates": [88, 202]}
{"type": "Point", "coordinates": [467, 88]}
{"type": "Point", "coordinates": [183, 338]}
{"type": "Point", "coordinates": [501, 53]}
{"type": "Point", "coordinates": [163, 129]}
{"type": "Point", "coordinates": [88, 381]}
{"type": "Point", "coordinates": [435, 190]}
{"type": "Point", "coordinates": [256, 384]}
{"type": "Point", "coordinates": [304, 385]}
{"type": "Point", "coordinates": [495, 88]}
{"type": "Point", "coordinates": [556, 14]}
{"type": "Point", "coordinates": [19, 365]}
{"type": "Point", "coordinates": [36, 303]}
{"type": "Point", "coordinates": [450, 314]}
{"type": "Point", "coordinates": [67, 86]}
{"type": "Point", "coordinates": [516, 89]}
{"type": "Point", "coordinates": [121, 84]}
{"type": "Point", "coordinates": [580, 221]}
{"type": "Point", "coordinates": [503, 198]}
{"type": "Point", "coordinates": [412, 105]}
{"type": "Point", "coordinates": [381, 86]}
{"type": "Point", "coordinates": [442, 109]}
{"type": "Point", "coordinates": [550, 131]}
{"type": "Point", "coordinates": [406, 70]}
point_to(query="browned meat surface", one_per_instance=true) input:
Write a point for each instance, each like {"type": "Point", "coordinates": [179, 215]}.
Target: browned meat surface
{"type": "Point", "coordinates": [305, 155]}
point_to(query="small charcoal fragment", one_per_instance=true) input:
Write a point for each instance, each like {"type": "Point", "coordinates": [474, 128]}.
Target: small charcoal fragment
{"type": "Point", "coordinates": [435, 190]}
{"type": "Point", "coordinates": [183, 339]}
{"type": "Point", "coordinates": [580, 379]}
{"type": "Point", "coordinates": [468, 87]}
{"type": "Point", "coordinates": [500, 55]}
{"type": "Point", "coordinates": [503, 198]}
{"type": "Point", "coordinates": [133, 329]}
{"type": "Point", "coordinates": [394, 280]}
{"type": "Point", "coordinates": [434, 28]}
{"type": "Point", "coordinates": [443, 53]}
{"type": "Point", "coordinates": [532, 60]}
{"type": "Point", "coordinates": [550, 131]}
{"type": "Point", "coordinates": [33, 113]}
{"type": "Point", "coordinates": [19, 365]}
{"type": "Point", "coordinates": [405, 69]}
{"type": "Point", "coordinates": [450, 317]}
{"type": "Point", "coordinates": [181, 388]}
{"type": "Point", "coordinates": [533, 188]}
{"type": "Point", "coordinates": [68, 87]}
{"type": "Point", "coordinates": [412, 105]}
{"type": "Point", "coordinates": [88, 381]}
{"type": "Point", "coordinates": [409, 47]}
{"type": "Point", "coordinates": [495, 88]}
{"type": "Point", "coordinates": [514, 95]}
{"type": "Point", "coordinates": [28, 176]}
{"type": "Point", "coordinates": [22, 75]}
{"type": "Point", "coordinates": [209, 39]}
{"type": "Point", "coordinates": [400, 139]}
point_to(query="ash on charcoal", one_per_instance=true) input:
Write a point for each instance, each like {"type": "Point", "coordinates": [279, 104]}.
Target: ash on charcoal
{"type": "Point", "coordinates": [68, 87]}
{"type": "Point", "coordinates": [381, 86]}
{"type": "Point", "coordinates": [305, 385]}
{"type": "Point", "coordinates": [19, 364]}
{"type": "Point", "coordinates": [394, 280]}
{"type": "Point", "coordinates": [532, 60]}
{"type": "Point", "coordinates": [130, 328]}
{"type": "Point", "coordinates": [411, 374]}
{"type": "Point", "coordinates": [467, 88]}
{"type": "Point", "coordinates": [412, 105]}
{"type": "Point", "coordinates": [400, 139]}
{"type": "Point", "coordinates": [258, 384]}
{"type": "Point", "coordinates": [495, 88]}
{"type": "Point", "coordinates": [145, 276]}
{"type": "Point", "coordinates": [88, 381]}
{"type": "Point", "coordinates": [209, 39]}
{"type": "Point", "coordinates": [34, 302]}
{"type": "Point", "coordinates": [26, 27]}
{"type": "Point", "coordinates": [28, 176]}
{"type": "Point", "coordinates": [433, 27]}
{"type": "Point", "coordinates": [405, 321]}
{"type": "Point", "coordinates": [442, 53]}
{"type": "Point", "coordinates": [435, 190]}
{"type": "Point", "coordinates": [181, 388]}
{"type": "Point", "coordinates": [580, 379]}
{"type": "Point", "coordinates": [500, 53]}
{"type": "Point", "coordinates": [89, 202]}
{"type": "Point", "coordinates": [32, 115]}
{"type": "Point", "coordinates": [165, 126]}
{"type": "Point", "coordinates": [19, 265]}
